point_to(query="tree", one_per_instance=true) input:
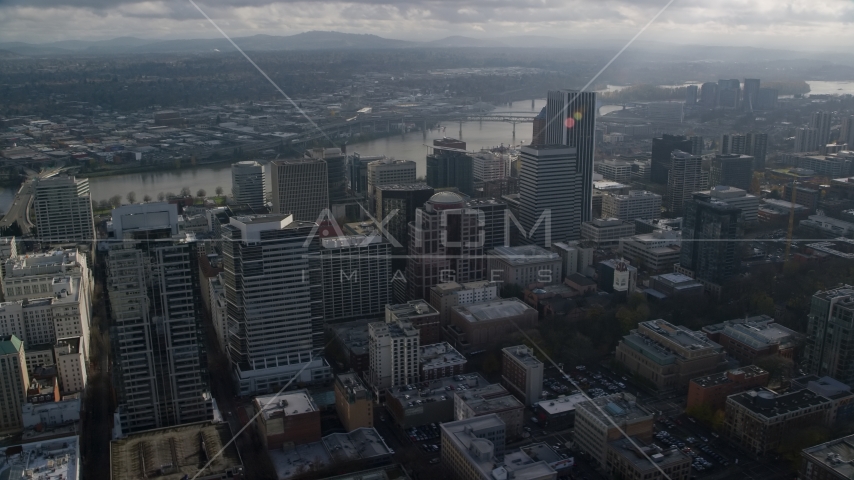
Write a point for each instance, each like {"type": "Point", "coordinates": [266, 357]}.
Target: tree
{"type": "Point", "coordinates": [104, 204]}
{"type": "Point", "coordinates": [170, 195]}
{"type": "Point", "coordinates": [185, 191]}
{"type": "Point", "coordinates": [201, 193]}
{"type": "Point", "coordinates": [146, 198]}
{"type": "Point", "coordinates": [116, 201]}
{"type": "Point", "coordinates": [13, 230]}
{"type": "Point", "coordinates": [219, 191]}
{"type": "Point", "coordinates": [131, 196]}
{"type": "Point", "coordinates": [161, 196]}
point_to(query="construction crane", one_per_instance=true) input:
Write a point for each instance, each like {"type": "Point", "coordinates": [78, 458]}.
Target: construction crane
{"type": "Point", "coordinates": [791, 218]}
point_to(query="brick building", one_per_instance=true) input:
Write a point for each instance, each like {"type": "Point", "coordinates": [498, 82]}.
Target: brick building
{"type": "Point", "coordinates": [713, 390]}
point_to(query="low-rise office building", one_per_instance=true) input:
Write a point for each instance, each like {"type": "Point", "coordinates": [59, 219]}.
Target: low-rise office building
{"type": "Point", "coordinates": [656, 251]}
{"type": "Point", "coordinates": [604, 419]}
{"type": "Point", "coordinates": [607, 232]}
{"type": "Point", "coordinates": [711, 391]}
{"type": "Point", "coordinates": [429, 402]}
{"type": "Point", "coordinates": [633, 459]}
{"type": "Point", "coordinates": [522, 373]}
{"type": "Point", "coordinates": [353, 402]}
{"type": "Point", "coordinates": [482, 325]}
{"type": "Point", "coordinates": [755, 337]}
{"type": "Point", "coordinates": [674, 285]}
{"type": "Point", "coordinates": [420, 315]}
{"type": "Point", "coordinates": [559, 413]}
{"type": "Point", "coordinates": [758, 420]}
{"type": "Point", "coordinates": [636, 204]}
{"type": "Point", "coordinates": [441, 360]}
{"type": "Point", "coordinates": [669, 356]}
{"type": "Point", "coordinates": [489, 399]}
{"type": "Point", "coordinates": [361, 449]}
{"type": "Point", "coordinates": [445, 296]}
{"type": "Point", "coordinates": [288, 418]}
{"type": "Point", "coordinates": [524, 265]}
{"type": "Point", "coordinates": [833, 460]}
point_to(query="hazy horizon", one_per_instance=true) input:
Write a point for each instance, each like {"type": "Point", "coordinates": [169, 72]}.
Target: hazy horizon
{"type": "Point", "coordinates": [794, 25]}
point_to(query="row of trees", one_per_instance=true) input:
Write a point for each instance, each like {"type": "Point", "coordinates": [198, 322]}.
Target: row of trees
{"type": "Point", "coordinates": [116, 200]}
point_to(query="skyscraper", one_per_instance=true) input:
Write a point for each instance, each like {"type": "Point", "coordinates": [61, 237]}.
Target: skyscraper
{"type": "Point", "coordinates": [691, 95]}
{"type": "Point", "coordinates": [13, 383]}
{"type": "Point", "coordinates": [550, 193]}
{"type": "Point", "coordinates": [733, 170]}
{"type": "Point", "coordinates": [728, 93]}
{"type": "Point", "coordinates": [846, 132]}
{"type": "Point", "coordinates": [539, 134]}
{"type": "Point", "coordinates": [757, 147]}
{"type": "Point", "coordinates": [662, 150]}
{"type": "Point", "coordinates": [571, 117]}
{"type": "Point", "coordinates": [355, 274]}
{"type": "Point", "coordinates": [388, 171]}
{"type": "Point", "coordinates": [300, 188]}
{"type": "Point", "coordinates": [247, 183]}
{"type": "Point", "coordinates": [709, 233]}
{"type": "Point", "coordinates": [274, 328]}
{"type": "Point", "coordinates": [829, 349]}
{"type": "Point", "coordinates": [445, 245]}
{"type": "Point", "coordinates": [709, 94]}
{"type": "Point", "coordinates": [63, 210]}
{"type": "Point", "coordinates": [766, 99]}
{"type": "Point", "coordinates": [733, 144]}
{"type": "Point", "coordinates": [686, 177]}
{"type": "Point", "coordinates": [336, 171]}
{"type": "Point", "coordinates": [449, 166]}
{"type": "Point", "coordinates": [806, 140]}
{"type": "Point", "coordinates": [160, 365]}
{"type": "Point", "coordinates": [751, 94]}
{"type": "Point", "coordinates": [821, 121]}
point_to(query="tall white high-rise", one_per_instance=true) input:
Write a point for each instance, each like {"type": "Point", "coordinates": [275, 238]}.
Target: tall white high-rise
{"type": "Point", "coordinates": [571, 121]}
{"type": "Point", "coordinates": [247, 183]}
{"type": "Point", "coordinates": [394, 353]}
{"type": "Point", "coordinates": [821, 121]}
{"type": "Point", "coordinates": [686, 177]}
{"type": "Point", "coordinates": [274, 329]}
{"type": "Point", "coordinates": [806, 140]}
{"type": "Point", "coordinates": [552, 189]}
{"type": "Point", "coordinates": [152, 281]}
{"type": "Point", "coordinates": [300, 187]}
{"type": "Point", "coordinates": [63, 210]}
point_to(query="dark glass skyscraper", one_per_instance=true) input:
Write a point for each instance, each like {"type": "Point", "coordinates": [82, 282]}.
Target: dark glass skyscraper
{"type": "Point", "coordinates": [449, 166]}
{"type": "Point", "coordinates": [709, 233]}
{"type": "Point", "coordinates": [571, 121]}
{"type": "Point", "coordinates": [662, 148]}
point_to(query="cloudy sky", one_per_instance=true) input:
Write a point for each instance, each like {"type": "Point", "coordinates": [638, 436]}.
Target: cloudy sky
{"type": "Point", "coordinates": [803, 24]}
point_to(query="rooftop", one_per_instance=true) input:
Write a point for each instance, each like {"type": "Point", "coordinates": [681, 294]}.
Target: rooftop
{"type": "Point", "coordinates": [523, 255]}
{"type": "Point", "coordinates": [838, 247]}
{"type": "Point", "coordinates": [769, 404]}
{"type": "Point", "coordinates": [714, 379]}
{"type": "Point", "coordinates": [410, 309]}
{"type": "Point", "coordinates": [675, 335]}
{"type": "Point", "coordinates": [757, 332]}
{"type": "Point", "coordinates": [836, 455]}
{"type": "Point", "coordinates": [439, 390]}
{"type": "Point", "coordinates": [639, 457]}
{"type": "Point", "coordinates": [676, 279]}
{"type": "Point", "coordinates": [523, 354]}
{"type": "Point", "coordinates": [622, 408]}
{"type": "Point", "coordinates": [362, 444]}
{"type": "Point", "coordinates": [497, 309]}
{"type": "Point", "coordinates": [175, 452]}
{"type": "Point", "coordinates": [60, 457]}
{"type": "Point", "coordinates": [562, 404]}
{"type": "Point", "coordinates": [489, 399]}
{"type": "Point", "coordinates": [440, 355]}
{"type": "Point", "coordinates": [285, 404]}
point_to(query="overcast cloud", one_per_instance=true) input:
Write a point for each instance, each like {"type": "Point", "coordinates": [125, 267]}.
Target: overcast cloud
{"type": "Point", "coordinates": [763, 23]}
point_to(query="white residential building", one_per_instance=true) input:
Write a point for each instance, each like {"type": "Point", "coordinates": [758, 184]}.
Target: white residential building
{"type": "Point", "coordinates": [274, 327]}
{"type": "Point", "coordinates": [32, 276]}
{"type": "Point", "coordinates": [394, 352]}
{"type": "Point", "coordinates": [70, 364]}
{"type": "Point", "coordinates": [488, 165]}
{"type": "Point", "coordinates": [389, 171]}
{"type": "Point", "coordinates": [637, 204]}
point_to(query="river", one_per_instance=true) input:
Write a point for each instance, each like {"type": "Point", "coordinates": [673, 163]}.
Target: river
{"type": "Point", "coordinates": [411, 146]}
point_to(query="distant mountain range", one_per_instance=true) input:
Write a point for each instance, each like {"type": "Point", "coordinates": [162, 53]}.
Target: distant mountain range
{"type": "Point", "coordinates": [320, 40]}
